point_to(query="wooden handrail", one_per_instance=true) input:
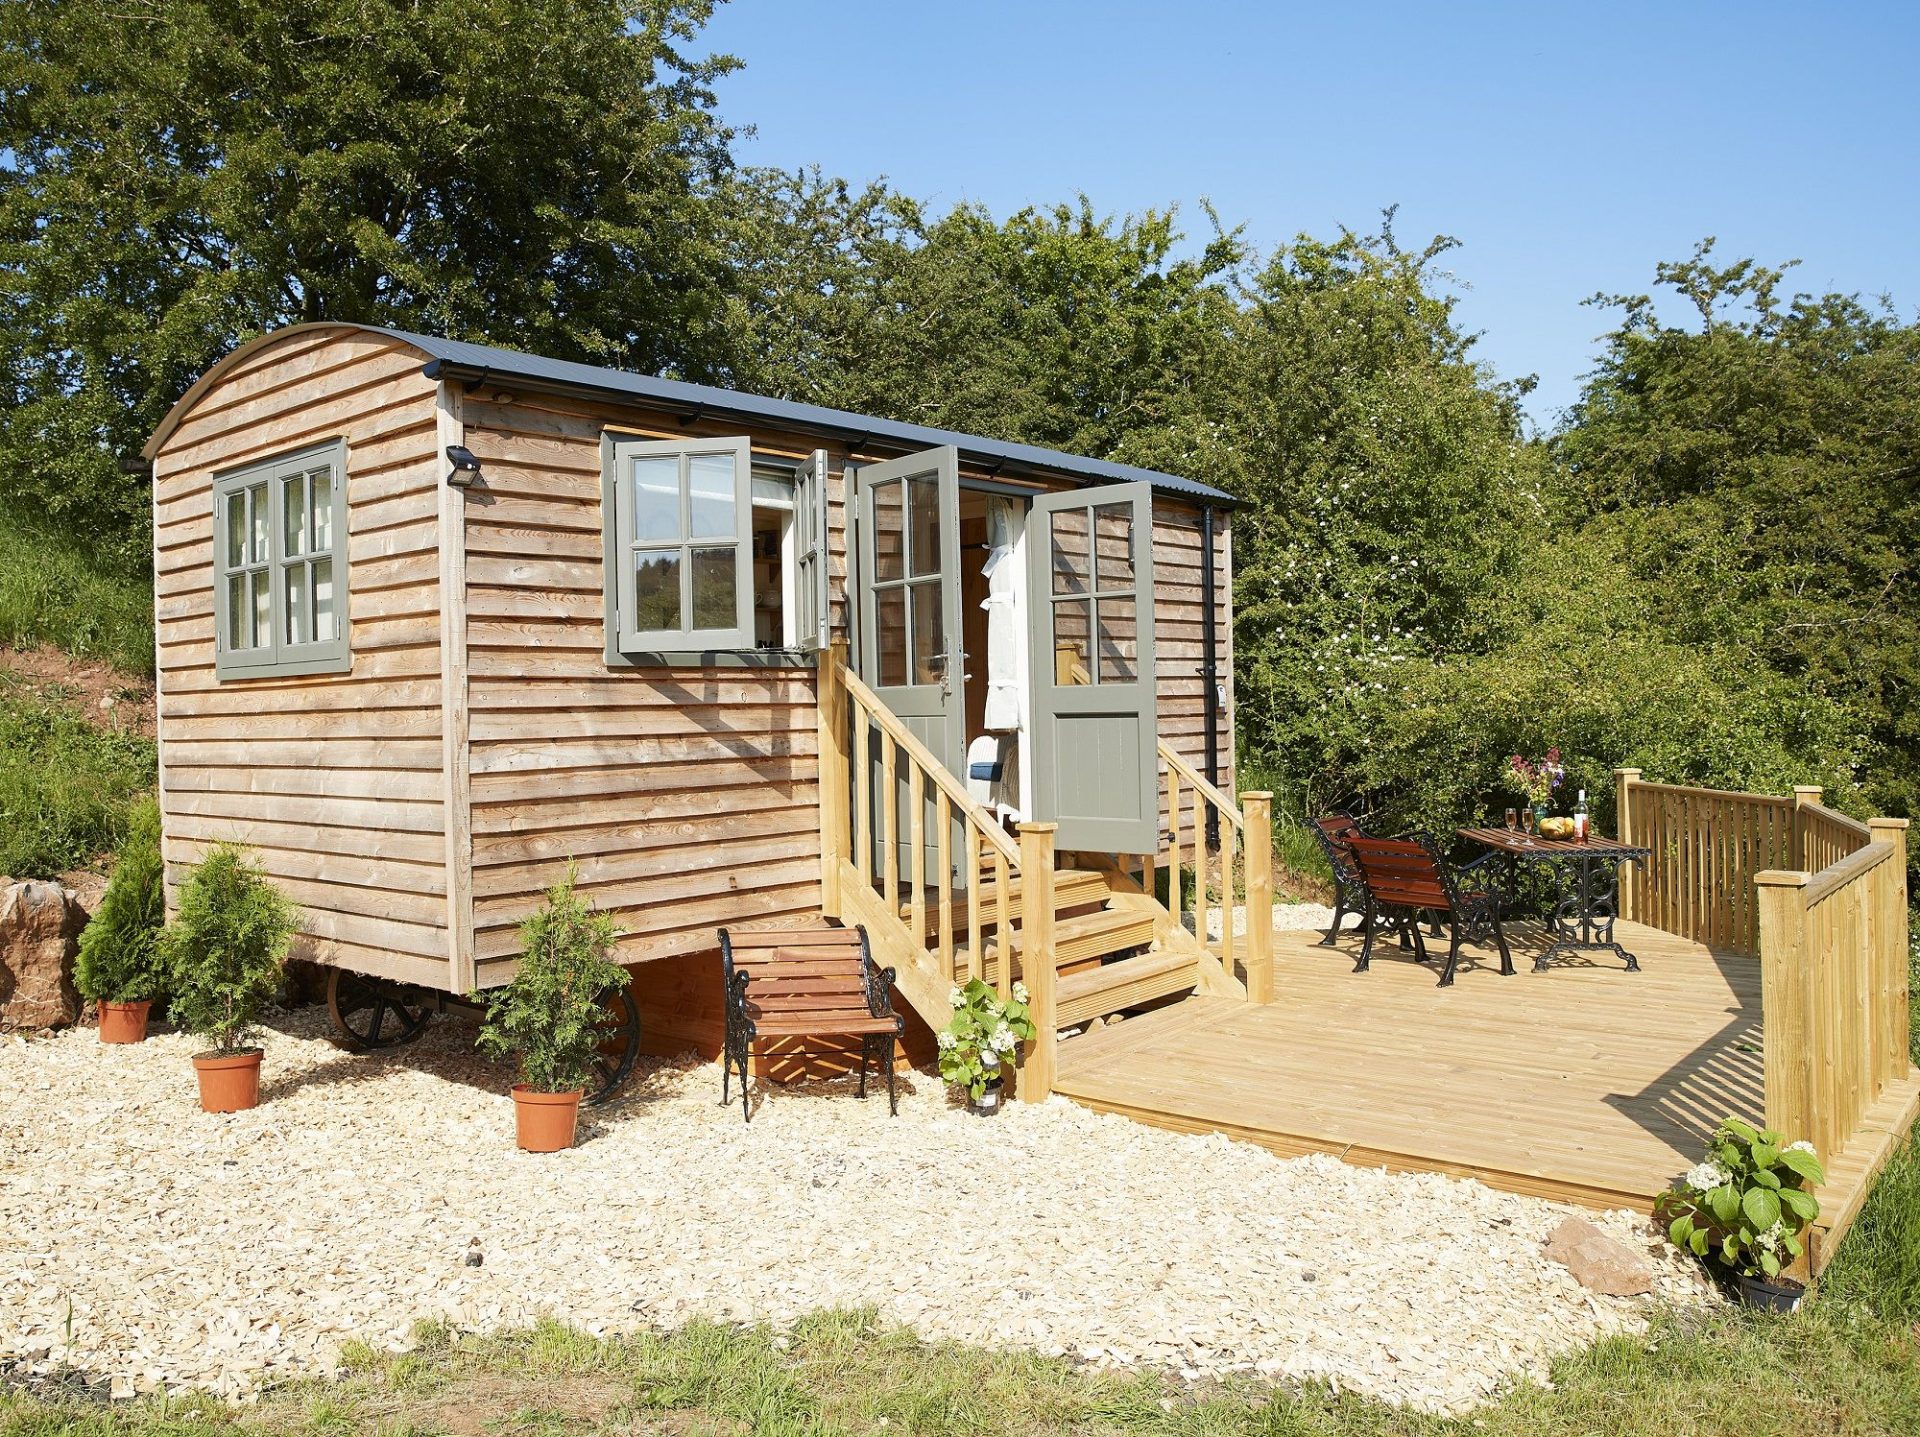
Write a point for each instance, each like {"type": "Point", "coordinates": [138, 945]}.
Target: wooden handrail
{"type": "Point", "coordinates": [884, 719]}
{"type": "Point", "coordinates": [1765, 800]}
{"type": "Point", "coordinates": [1836, 876]}
{"type": "Point", "coordinates": [1248, 836]}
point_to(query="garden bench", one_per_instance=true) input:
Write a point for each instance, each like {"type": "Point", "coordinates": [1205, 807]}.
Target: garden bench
{"type": "Point", "coordinates": [1407, 877]}
{"type": "Point", "coordinates": [805, 983]}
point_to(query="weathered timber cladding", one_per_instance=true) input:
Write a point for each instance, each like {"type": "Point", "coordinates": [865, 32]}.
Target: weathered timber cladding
{"type": "Point", "coordinates": [687, 797]}
{"type": "Point", "coordinates": [334, 781]}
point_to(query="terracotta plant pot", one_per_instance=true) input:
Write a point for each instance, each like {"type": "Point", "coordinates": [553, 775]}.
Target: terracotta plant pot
{"type": "Point", "coordinates": [123, 1022]}
{"type": "Point", "coordinates": [229, 1082]}
{"type": "Point", "coordinates": [544, 1122]}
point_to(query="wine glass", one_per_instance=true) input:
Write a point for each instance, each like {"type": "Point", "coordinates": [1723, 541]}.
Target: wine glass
{"type": "Point", "coordinates": [1513, 820]}
{"type": "Point", "coordinates": [1526, 823]}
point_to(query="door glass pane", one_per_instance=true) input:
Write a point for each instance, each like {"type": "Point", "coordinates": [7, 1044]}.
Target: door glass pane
{"type": "Point", "coordinates": [293, 513]}
{"type": "Point", "coordinates": [1119, 641]}
{"type": "Point", "coordinates": [1113, 535]}
{"type": "Point", "coordinates": [1071, 663]}
{"type": "Point", "coordinates": [1072, 563]}
{"type": "Point", "coordinates": [257, 516]}
{"type": "Point", "coordinates": [239, 611]}
{"type": "Point", "coordinates": [923, 510]}
{"type": "Point", "coordinates": [236, 529]}
{"type": "Point", "coordinates": [656, 499]}
{"type": "Point", "coordinates": [326, 618]}
{"type": "Point", "coordinates": [929, 641]}
{"type": "Point", "coordinates": [711, 503]}
{"type": "Point", "coordinates": [262, 606]}
{"type": "Point", "coordinates": [293, 600]}
{"type": "Point", "coordinates": [656, 590]}
{"type": "Point", "coordinates": [889, 532]}
{"type": "Point", "coordinates": [321, 481]}
{"type": "Point", "coordinates": [890, 609]}
{"type": "Point", "coordinates": [715, 588]}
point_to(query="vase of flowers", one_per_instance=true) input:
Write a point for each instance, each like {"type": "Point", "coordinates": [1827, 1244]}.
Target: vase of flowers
{"type": "Point", "coordinates": [1742, 1209]}
{"type": "Point", "coordinates": [977, 1047]}
{"type": "Point", "coordinates": [1537, 779]}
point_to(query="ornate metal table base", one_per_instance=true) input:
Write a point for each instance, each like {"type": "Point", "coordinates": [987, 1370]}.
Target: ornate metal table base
{"type": "Point", "coordinates": [1576, 884]}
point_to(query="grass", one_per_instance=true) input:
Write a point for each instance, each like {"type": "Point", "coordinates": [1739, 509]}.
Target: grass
{"type": "Point", "coordinates": [65, 785]}
{"type": "Point", "coordinates": [52, 592]}
{"type": "Point", "coordinates": [1823, 1371]}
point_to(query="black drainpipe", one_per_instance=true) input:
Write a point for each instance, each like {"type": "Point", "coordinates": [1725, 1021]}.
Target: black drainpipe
{"type": "Point", "coordinates": [1209, 666]}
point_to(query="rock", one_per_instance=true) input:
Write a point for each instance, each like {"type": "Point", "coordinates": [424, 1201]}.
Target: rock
{"type": "Point", "coordinates": [1599, 1263]}
{"type": "Point", "coordinates": [39, 937]}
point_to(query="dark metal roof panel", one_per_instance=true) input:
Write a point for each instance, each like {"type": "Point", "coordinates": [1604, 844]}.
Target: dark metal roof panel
{"type": "Point", "coordinates": [478, 359]}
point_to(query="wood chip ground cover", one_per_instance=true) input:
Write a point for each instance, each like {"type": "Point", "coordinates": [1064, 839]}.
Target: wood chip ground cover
{"type": "Point", "coordinates": [167, 1249]}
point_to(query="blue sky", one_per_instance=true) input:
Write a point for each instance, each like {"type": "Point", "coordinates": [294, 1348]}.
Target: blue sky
{"type": "Point", "coordinates": [1569, 148]}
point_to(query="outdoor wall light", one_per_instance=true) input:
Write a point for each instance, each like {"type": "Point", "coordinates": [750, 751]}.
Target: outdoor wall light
{"type": "Point", "coordinates": [466, 468]}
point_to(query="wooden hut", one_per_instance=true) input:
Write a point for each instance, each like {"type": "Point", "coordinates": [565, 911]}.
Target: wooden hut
{"type": "Point", "coordinates": [435, 620]}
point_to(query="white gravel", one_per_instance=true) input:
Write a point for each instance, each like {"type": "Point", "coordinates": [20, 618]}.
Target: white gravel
{"type": "Point", "coordinates": [168, 1249]}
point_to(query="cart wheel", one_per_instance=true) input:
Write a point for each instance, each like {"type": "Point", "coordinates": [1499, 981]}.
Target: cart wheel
{"type": "Point", "coordinates": [373, 1013]}
{"type": "Point", "coordinates": [619, 1043]}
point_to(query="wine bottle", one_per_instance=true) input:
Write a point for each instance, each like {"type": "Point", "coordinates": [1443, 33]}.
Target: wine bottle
{"type": "Point", "coordinates": [1581, 820]}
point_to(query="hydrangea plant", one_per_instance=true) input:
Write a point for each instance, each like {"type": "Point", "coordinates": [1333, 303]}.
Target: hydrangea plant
{"type": "Point", "coordinates": [978, 1046]}
{"type": "Point", "coordinates": [1745, 1205]}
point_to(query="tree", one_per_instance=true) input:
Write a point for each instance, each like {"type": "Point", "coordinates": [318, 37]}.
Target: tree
{"type": "Point", "coordinates": [176, 175]}
{"type": "Point", "coordinates": [1768, 458]}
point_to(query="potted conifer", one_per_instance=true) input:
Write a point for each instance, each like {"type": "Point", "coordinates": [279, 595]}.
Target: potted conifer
{"type": "Point", "coordinates": [119, 965]}
{"type": "Point", "coordinates": [550, 1014]}
{"type": "Point", "coordinates": [225, 951]}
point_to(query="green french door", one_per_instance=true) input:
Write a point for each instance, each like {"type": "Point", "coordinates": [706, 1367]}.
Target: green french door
{"type": "Point", "coordinates": [908, 644]}
{"type": "Point", "coordinates": [1095, 715]}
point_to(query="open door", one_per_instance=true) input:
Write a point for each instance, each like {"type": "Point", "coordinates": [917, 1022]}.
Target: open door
{"type": "Point", "coordinates": [1095, 750]}
{"type": "Point", "coordinates": [909, 633]}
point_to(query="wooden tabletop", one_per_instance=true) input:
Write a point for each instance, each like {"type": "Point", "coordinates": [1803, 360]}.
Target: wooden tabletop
{"type": "Point", "coordinates": [1538, 847]}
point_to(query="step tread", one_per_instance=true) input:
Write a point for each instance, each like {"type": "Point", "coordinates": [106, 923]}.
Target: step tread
{"type": "Point", "coordinates": [1073, 888]}
{"type": "Point", "coordinates": [1091, 935]}
{"type": "Point", "coordinates": [1082, 997]}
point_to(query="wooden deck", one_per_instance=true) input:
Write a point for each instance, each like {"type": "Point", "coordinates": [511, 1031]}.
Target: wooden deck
{"type": "Point", "coordinates": [1583, 1083]}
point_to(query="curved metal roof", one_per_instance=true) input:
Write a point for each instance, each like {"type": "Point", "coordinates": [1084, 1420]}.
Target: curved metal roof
{"type": "Point", "coordinates": [457, 359]}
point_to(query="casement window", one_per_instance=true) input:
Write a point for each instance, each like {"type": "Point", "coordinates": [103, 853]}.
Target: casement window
{"type": "Point", "coordinates": [711, 554]}
{"type": "Point", "coordinates": [280, 566]}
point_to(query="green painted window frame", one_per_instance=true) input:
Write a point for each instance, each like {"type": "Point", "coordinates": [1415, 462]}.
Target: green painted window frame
{"type": "Point", "coordinates": [732, 646]}
{"type": "Point", "coordinates": [280, 656]}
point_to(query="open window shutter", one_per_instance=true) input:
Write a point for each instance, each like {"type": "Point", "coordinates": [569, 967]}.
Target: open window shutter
{"type": "Point", "coordinates": [810, 552]}
{"type": "Point", "coordinates": [683, 512]}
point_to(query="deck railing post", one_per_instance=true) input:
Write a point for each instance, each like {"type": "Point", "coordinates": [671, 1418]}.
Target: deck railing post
{"type": "Point", "coordinates": [1805, 796]}
{"type": "Point", "coordinates": [836, 839]}
{"type": "Point", "coordinates": [1787, 1019]}
{"type": "Point", "coordinates": [1890, 917]}
{"type": "Point", "coordinates": [1037, 965]}
{"type": "Point", "coordinates": [1623, 781]}
{"type": "Point", "coordinates": [1257, 813]}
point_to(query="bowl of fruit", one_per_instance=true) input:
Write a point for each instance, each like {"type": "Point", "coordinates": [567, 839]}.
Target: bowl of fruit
{"type": "Point", "coordinates": [1556, 828]}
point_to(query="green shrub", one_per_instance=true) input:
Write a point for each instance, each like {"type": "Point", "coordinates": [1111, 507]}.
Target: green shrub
{"type": "Point", "coordinates": [53, 592]}
{"type": "Point", "coordinates": [550, 1014]}
{"type": "Point", "coordinates": [119, 950]}
{"type": "Point", "coordinates": [1745, 1206]}
{"type": "Point", "coordinates": [66, 786]}
{"type": "Point", "coordinates": [226, 947]}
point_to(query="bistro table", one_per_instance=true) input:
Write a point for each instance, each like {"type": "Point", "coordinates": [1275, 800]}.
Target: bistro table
{"type": "Point", "coordinates": [1585, 886]}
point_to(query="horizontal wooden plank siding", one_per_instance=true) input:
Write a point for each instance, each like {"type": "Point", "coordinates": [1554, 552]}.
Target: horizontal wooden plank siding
{"type": "Point", "coordinates": [335, 782]}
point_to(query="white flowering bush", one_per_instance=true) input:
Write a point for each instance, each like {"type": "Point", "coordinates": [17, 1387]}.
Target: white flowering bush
{"type": "Point", "coordinates": [1745, 1205]}
{"type": "Point", "coordinates": [978, 1045]}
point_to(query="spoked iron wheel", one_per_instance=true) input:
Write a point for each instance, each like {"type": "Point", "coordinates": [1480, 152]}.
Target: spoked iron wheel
{"type": "Point", "coordinates": [374, 1013]}
{"type": "Point", "coordinates": [619, 1044]}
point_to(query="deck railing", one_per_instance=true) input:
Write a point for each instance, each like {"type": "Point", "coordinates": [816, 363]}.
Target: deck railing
{"type": "Point", "coordinates": [881, 793]}
{"type": "Point", "coordinates": [1821, 900]}
{"type": "Point", "coordinates": [1243, 864]}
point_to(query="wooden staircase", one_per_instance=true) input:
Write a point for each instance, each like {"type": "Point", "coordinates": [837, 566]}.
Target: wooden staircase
{"type": "Point", "coordinates": [1088, 936]}
{"type": "Point", "coordinates": [1106, 953]}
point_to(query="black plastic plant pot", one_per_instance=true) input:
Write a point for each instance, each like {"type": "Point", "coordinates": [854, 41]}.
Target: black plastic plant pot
{"type": "Point", "coordinates": [1768, 1296]}
{"type": "Point", "coordinates": [988, 1103]}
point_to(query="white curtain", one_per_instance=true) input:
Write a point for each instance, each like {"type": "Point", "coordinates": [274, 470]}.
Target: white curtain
{"type": "Point", "coordinates": [1003, 644]}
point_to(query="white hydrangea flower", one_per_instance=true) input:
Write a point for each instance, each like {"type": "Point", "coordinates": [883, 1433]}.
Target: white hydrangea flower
{"type": "Point", "coordinates": [1803, 1146]}
{"type": "Point", "coordinates": [1003, 1038]}
{"type": "Point", "coordinates": [956, 998]}
{"type": "Point", "coordinates": [1019, 992]}
{"type": "Point", "coordinates": [947, 1040]}
{"type": "Point", "coordinates": [1707, 1176]}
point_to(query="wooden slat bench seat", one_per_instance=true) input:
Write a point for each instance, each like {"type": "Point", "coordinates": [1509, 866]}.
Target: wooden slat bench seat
{"type": "Point", "coordinates": [805, 983]}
